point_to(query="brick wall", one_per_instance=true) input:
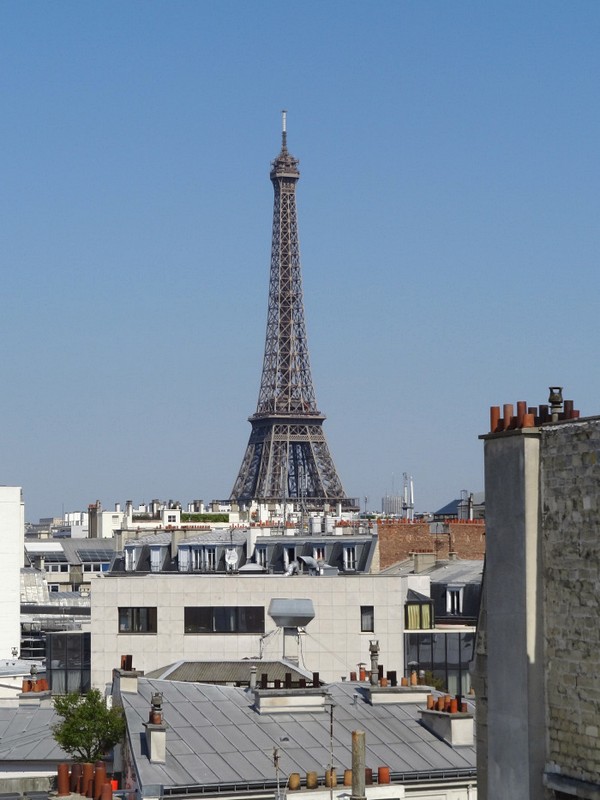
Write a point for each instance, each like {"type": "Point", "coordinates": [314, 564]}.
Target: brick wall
{"type": "Point", "coordinates": [397, 540]}
{"type": "Point", "coordinates": [571, 562]}
{"type": "Point", "coordinates": [467, 539]}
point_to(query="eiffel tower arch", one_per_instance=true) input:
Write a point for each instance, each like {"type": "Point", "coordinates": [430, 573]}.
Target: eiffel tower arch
{"type": "Point", "coordinates": [287, 458]}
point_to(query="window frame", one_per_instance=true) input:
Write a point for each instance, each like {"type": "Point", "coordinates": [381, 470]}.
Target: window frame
{"type": "Point", "coordinates": [367, 619]}
{"type": "Point", "coordinates": [428, 617]}
{"type": "Point", "coordinates": [138, 620]}
{"type": "Point", "coordinates": [224, 620]}
{"type": "Point", "coordinates": [350, 558]}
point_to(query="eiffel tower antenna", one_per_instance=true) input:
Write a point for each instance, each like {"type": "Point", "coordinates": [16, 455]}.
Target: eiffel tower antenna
{"type": "Point", "coordinates": [287, 458]}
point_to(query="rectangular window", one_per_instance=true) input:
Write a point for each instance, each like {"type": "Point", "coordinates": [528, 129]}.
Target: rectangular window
{"type": "Point", "coordinates": [350, 557]}
{"type": "Point", "coordinates": [418, 616]}
{"type": "Point", "coordinates": [367, 619]}
{"type": "Point", "coordinates": [210, 558]}
{"type": "Point", "coordinates": [319, 553]}
{"type": "Point", "coordinates": [130, 559]}
{"type": "Point", "coordinates": [224, 619]}
{"type": "Point", "coordinates": [156, 557]}
{"type": "Point", "coordinates": [183, 559]}
{"type": "Point", "coordinates": [454, 596]}
{"type": "Point", "coordinates": [95, 567]}
{"type": "Point", "coordinates": [260, 556]}
{"type": "Point", "coordinates": [204, 559]}
{"type": "Point", "coordinates": [137, 620]}
{"type": "Point", "coordinates": [196, 558]}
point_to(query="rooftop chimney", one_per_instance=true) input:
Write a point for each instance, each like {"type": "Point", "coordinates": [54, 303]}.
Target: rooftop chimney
{"type": "Point", "coordinates": [454, 727]}
{"type": "Point", "coordinates": [156, 731]}
{"type": "Point", "coordinates": [374, 651]}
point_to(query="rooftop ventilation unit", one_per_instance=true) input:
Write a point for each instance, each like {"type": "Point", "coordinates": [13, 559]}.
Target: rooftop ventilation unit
{"type": "Point", "coordinates": [291, 613]}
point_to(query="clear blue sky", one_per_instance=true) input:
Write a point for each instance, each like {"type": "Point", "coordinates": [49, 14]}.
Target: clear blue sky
{"type": "Point", "coordinates": [448, 209]}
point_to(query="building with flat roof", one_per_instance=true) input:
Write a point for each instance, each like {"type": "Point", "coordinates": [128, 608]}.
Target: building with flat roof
{"type": "Point", "coordinates": [156, 617]}
{"type": "Point", "coordinates": [209, 741]}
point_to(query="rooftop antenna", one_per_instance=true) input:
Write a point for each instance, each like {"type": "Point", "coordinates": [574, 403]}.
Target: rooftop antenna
{"type": "Point", "coordinates": [284, 130]}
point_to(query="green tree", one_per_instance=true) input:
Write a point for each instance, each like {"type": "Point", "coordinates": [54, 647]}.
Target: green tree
{"type": "Point", "coordinates": [88, 728]}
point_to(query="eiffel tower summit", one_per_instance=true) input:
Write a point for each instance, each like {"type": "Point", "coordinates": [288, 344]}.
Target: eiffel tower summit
{"type": "Point", "coordinates": [287, 460]}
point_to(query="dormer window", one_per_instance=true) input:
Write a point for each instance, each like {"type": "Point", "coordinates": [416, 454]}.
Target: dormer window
{"type": "Point", "coordinates": [204, 559]}
{"type": "Point", "coordinates": [418, 611]}
{"type": "Point", "coordinates": [319, 552]}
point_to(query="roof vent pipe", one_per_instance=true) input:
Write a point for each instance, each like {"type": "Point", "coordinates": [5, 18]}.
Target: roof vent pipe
{"type": "Point", "coordinates": [358, 766]}
{"type": "Point", "coordinates": [253, 676]}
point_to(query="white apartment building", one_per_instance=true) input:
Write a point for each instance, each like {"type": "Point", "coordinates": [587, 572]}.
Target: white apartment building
{"type": "Point", "coordinates": [12, 537]}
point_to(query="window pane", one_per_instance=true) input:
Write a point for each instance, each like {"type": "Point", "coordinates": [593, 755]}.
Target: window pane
{"type": "Point", "coordinates": [439, 652]}
{"type": "Point", "coordinates": [251, 619]}
{"type": "Point", "coordinates": [413, 616]}
{"type": "Point", "coordinates": [198, 619]}
{"type": "Point", "coordinates": [137, 620]}
{"type": "Point", "coordinates": [367, 619]}
{"type": "Point", "coordinates": [452, 640]}
{"type": "Point", "coordinates": [466, 648]}
{"type": "Point", "coordinates": [411, 647]}
{"type": "Point", "coordinates": [224, 619]}
{"type": "Point", "coordinates": [426, 615]}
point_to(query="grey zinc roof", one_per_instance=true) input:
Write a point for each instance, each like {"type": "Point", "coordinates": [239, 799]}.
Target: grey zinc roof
{"type": "Point", "coordinates": [25, 735]}
{"type": "Point", "coordinates": [215, 737]}
{"type": "Point", "coordinates": [226, 671]}
{"type": "Point", "coordinates": [458, 571]}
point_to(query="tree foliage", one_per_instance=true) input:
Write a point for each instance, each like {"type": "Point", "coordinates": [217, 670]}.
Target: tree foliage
{"type": "Point", "coordinates": [88, 729]}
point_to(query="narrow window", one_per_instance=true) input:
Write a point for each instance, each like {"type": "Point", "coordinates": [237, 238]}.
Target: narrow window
{"type": "Point", "coordinates": [367, 619]}
{"type": "Point", "coordinates": [183, 559]}
{"type": "Point", "coordinates": [350, 558]}
{"type": "Point", "coordinates": [210, 558]}
{"type": "Point", "coordinates": [454, 598]}
{"type": "Point", "coordinates": [155, 559]}
{"type": "Point", "coordinates": [196, 558]}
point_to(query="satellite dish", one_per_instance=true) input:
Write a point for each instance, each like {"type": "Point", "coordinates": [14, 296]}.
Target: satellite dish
{"type": "Point", "coordinates": [231, 557]}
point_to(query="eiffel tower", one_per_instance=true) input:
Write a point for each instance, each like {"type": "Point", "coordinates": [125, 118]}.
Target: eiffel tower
{"type": "Point", "coordinates": [287, 459]}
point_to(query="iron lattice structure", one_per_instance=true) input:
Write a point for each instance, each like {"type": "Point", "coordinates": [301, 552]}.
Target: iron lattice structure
{"type": "Point", "coordinates": [287, 458]}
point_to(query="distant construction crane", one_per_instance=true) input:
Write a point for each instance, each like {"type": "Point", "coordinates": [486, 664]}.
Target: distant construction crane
{"type": "Point", "coordinates": [408, 497]}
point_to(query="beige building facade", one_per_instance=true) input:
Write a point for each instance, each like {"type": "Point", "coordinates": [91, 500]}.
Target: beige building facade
{"type": "Point", "coordinates": [162, 618]}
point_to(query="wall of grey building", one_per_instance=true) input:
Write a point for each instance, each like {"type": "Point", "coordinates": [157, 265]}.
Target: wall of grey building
{"type": "Point", "coordinates": [570, 469]}
{"type": "Point", "coordinates": [537, 669]}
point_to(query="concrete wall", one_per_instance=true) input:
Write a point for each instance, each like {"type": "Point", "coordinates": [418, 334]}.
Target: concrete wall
{"type": "Point", "coordinates": [333, 644]}
{"type": "Point", "coordinates": [539, 637]}
{"type": "Point", "coordinates": [571, 509]}
{"type": "Point", "coordinates": [513, 603]}
{"type": "Point", "coordinates": [12, 536]}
